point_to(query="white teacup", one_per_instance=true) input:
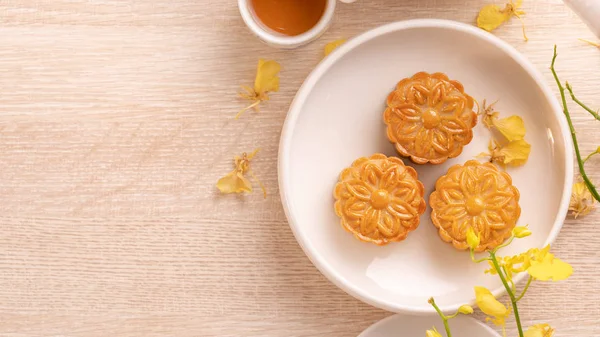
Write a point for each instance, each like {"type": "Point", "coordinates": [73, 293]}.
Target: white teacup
{"type": "Point", "coordinates": [276, 39]}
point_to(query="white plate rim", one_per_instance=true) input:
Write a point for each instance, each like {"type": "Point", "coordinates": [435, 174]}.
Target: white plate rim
{"type": "Point", "coordinates": [323, 66]}
{"type": "Point", "coordinates": [392, 317]}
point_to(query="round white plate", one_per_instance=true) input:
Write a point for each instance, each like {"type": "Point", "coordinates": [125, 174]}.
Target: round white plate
{"type": "Point", "coordinates": [336, 118]}
{"type": "Point", "coordinates": [402, 325]}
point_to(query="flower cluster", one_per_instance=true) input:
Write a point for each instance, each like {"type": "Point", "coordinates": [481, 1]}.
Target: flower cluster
{"type": "Point", "coordinates": [540, 264]}
{"type": "Point", "coordinates": [235, 181]}
{"type": "Point", "coordinates": [512, 150]}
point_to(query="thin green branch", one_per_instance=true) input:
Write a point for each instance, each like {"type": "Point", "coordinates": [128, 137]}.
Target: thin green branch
{"type": "Point", "coordinates": [513, 300]}
{"type": "Point", "coordinates": [581, 104]}
{"type": "Point", "coordinates": [506, 243]}
{"type": "Point", "coordinates": [444, 318]}
{"type": "Point", "coordinates": [586, 179]}
{"type": "Point", "coordinates": [477, 261]}
{"type": "Point", "coordinates": [525, 289]}
{"type": "Point", "coordinates": [590, 156]}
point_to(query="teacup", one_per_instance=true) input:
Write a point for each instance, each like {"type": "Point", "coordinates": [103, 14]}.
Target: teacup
{"type": "Point", "coordinates": [279, 40]}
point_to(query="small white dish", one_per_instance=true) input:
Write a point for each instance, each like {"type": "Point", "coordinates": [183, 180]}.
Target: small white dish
{"type": "Point", "coordinates": [404, 325]}
{"type": "Point", "coordinates": [336, 117]}
{"type": "Point", "coordinates": [276, 39]}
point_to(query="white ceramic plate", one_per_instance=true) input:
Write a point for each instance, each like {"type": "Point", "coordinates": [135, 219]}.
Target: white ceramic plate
{"type": "Point", "coordinates": [408, 326]}
{"type": "Point", "coordinates": [336, 118]}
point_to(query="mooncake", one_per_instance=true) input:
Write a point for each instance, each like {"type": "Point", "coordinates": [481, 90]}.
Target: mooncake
{"type": "Point", "coordinates": [429, 118]}
{"type": "Point", "coordinates": [475, 195]}
{"type": "Point", "coordinates": [379, 199]}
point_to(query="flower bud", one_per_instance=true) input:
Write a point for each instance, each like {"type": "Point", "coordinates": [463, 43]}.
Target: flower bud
{"type": "Point", "coordinates": [432, 333]}
{"type": "Point", "coordinates": [521, 232]}
{"type": "Point", "coordinates": [465, 309]}
{"type": "Point", "coordinates": [472, 238]}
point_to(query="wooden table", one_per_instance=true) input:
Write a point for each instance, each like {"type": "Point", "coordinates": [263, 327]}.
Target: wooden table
{"type": "Point", "coordinates": [116, 121]}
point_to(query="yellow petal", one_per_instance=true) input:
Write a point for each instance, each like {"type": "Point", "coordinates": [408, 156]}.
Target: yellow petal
{"type": "Point", "coordinates": [540, 254]}
{"type": "Point", "coordinates": [489, 304]}
{"type": "Point", "coordinates": [517, 263]}
{"type": "Point", "coordinates": [579, 188]}
{"type": "Point", "coordinates": [582, 201]}
{"type": "Point", "coordinates": [266, 76]}
{"type": "Point", "coordinates": [491, 17]}
{"type": "Point", "coordinates": [331, 46]}
{"type": "Point", "coordinates": [472, 238]}
{"type": "Point", "coordinates": [539, 330]}
{"type": "Point", "coordinates": [432, 333]}
{"type": "Point", "coordinates": [512, 128]}
{"type": "Point", "coordinates": [550, 268]}
{"type": "Point", "coordinates": [492, 269]}
{"type": "Point", "coordinates": [515, 153]}
{"type": "Point", "coordinates": [521, 232]}
{"type": "Point", "coordinates": [234, 182]}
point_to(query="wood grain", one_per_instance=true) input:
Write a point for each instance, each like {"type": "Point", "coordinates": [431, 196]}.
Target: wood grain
{"type": "Point", "coordinates": [116, 122]}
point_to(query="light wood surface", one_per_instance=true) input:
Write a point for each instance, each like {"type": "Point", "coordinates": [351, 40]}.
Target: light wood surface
{"type": "Point", "coordinates": [116, 122]}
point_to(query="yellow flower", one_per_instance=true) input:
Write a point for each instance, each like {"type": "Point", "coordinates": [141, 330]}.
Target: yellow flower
{"type": "Point", "coordinates": [490, 306]}
{"type": "Point", "coordinates": [331, 46]}
{"type": "Point", "coordinates": [539, 330]}
{"type": "Point", "coordinates": [472, 238]}
{"type": "Point", "coordinates": [539, 263]}
{"type": "Point", "coordinates": [514, 264]}
{"type": "Point", "coordinates": [514, 153]}
{"type": "Point", "coordinates": [465, 309]}
{"type": "Point", "coordinates": [521, 232]}
{"type": "Point", "coordinates": [492, 16]}
{"type": "Point", "coordinates": [582, 201]}
{"type": "Point", "coordinates": [432, 333]}
{"type": "Point", "coordinates": [234, 181]}
{"type": "Point", "coordinates": [546, 267]}
{"type": "Point", "coordinates": [512, 127]}
{"type": "Point", "coordinates": [266, 80]}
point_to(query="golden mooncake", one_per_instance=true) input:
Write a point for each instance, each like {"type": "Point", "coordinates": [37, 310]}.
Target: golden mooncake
{"type": "Point", "coordinates": [379, 199]}
{"type": "Point", "coordinates": [475, 195]}
{"type": "Point", "coordinates": [429, 118]}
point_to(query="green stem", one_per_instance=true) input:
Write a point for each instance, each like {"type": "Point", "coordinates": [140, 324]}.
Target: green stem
{"type": "Point", "coordinates": [477, 261]}
{"type": "Point", "coordinates": [589, 156]}
{"type": "Point", "coordinates": [506, 243]}
{"type": "Point", "coordinates": [586, 180]}
{"type": "Point", "coordinates": [444, 318]}
{"type": "Point", "coordinates": [581, 104]}
{"type": "Point", "coordinates": [525, 289]}
{"type": "Point", "coordinates": [513, 300]}
{"type": "Point", "coordinates": [512, 283]}
{"type": "Point", "coordinates": [453, 315]}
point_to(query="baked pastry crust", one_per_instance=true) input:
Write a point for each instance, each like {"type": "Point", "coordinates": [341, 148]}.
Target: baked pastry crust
{"type": "Point", "coordinates": [379, 199]}
{"type": "Point", "coordinates": [429, 118]}
{"type": "Point", "coordinates": [475, 195]}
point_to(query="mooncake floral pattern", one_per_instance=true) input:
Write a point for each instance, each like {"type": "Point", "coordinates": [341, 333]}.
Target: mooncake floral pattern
{"type": "Point", "coordinates": [379, 199]}
{"type": "Point", "coordinates": [429, 118]}
{"type": "Point", "coordinates": [475, 195]}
